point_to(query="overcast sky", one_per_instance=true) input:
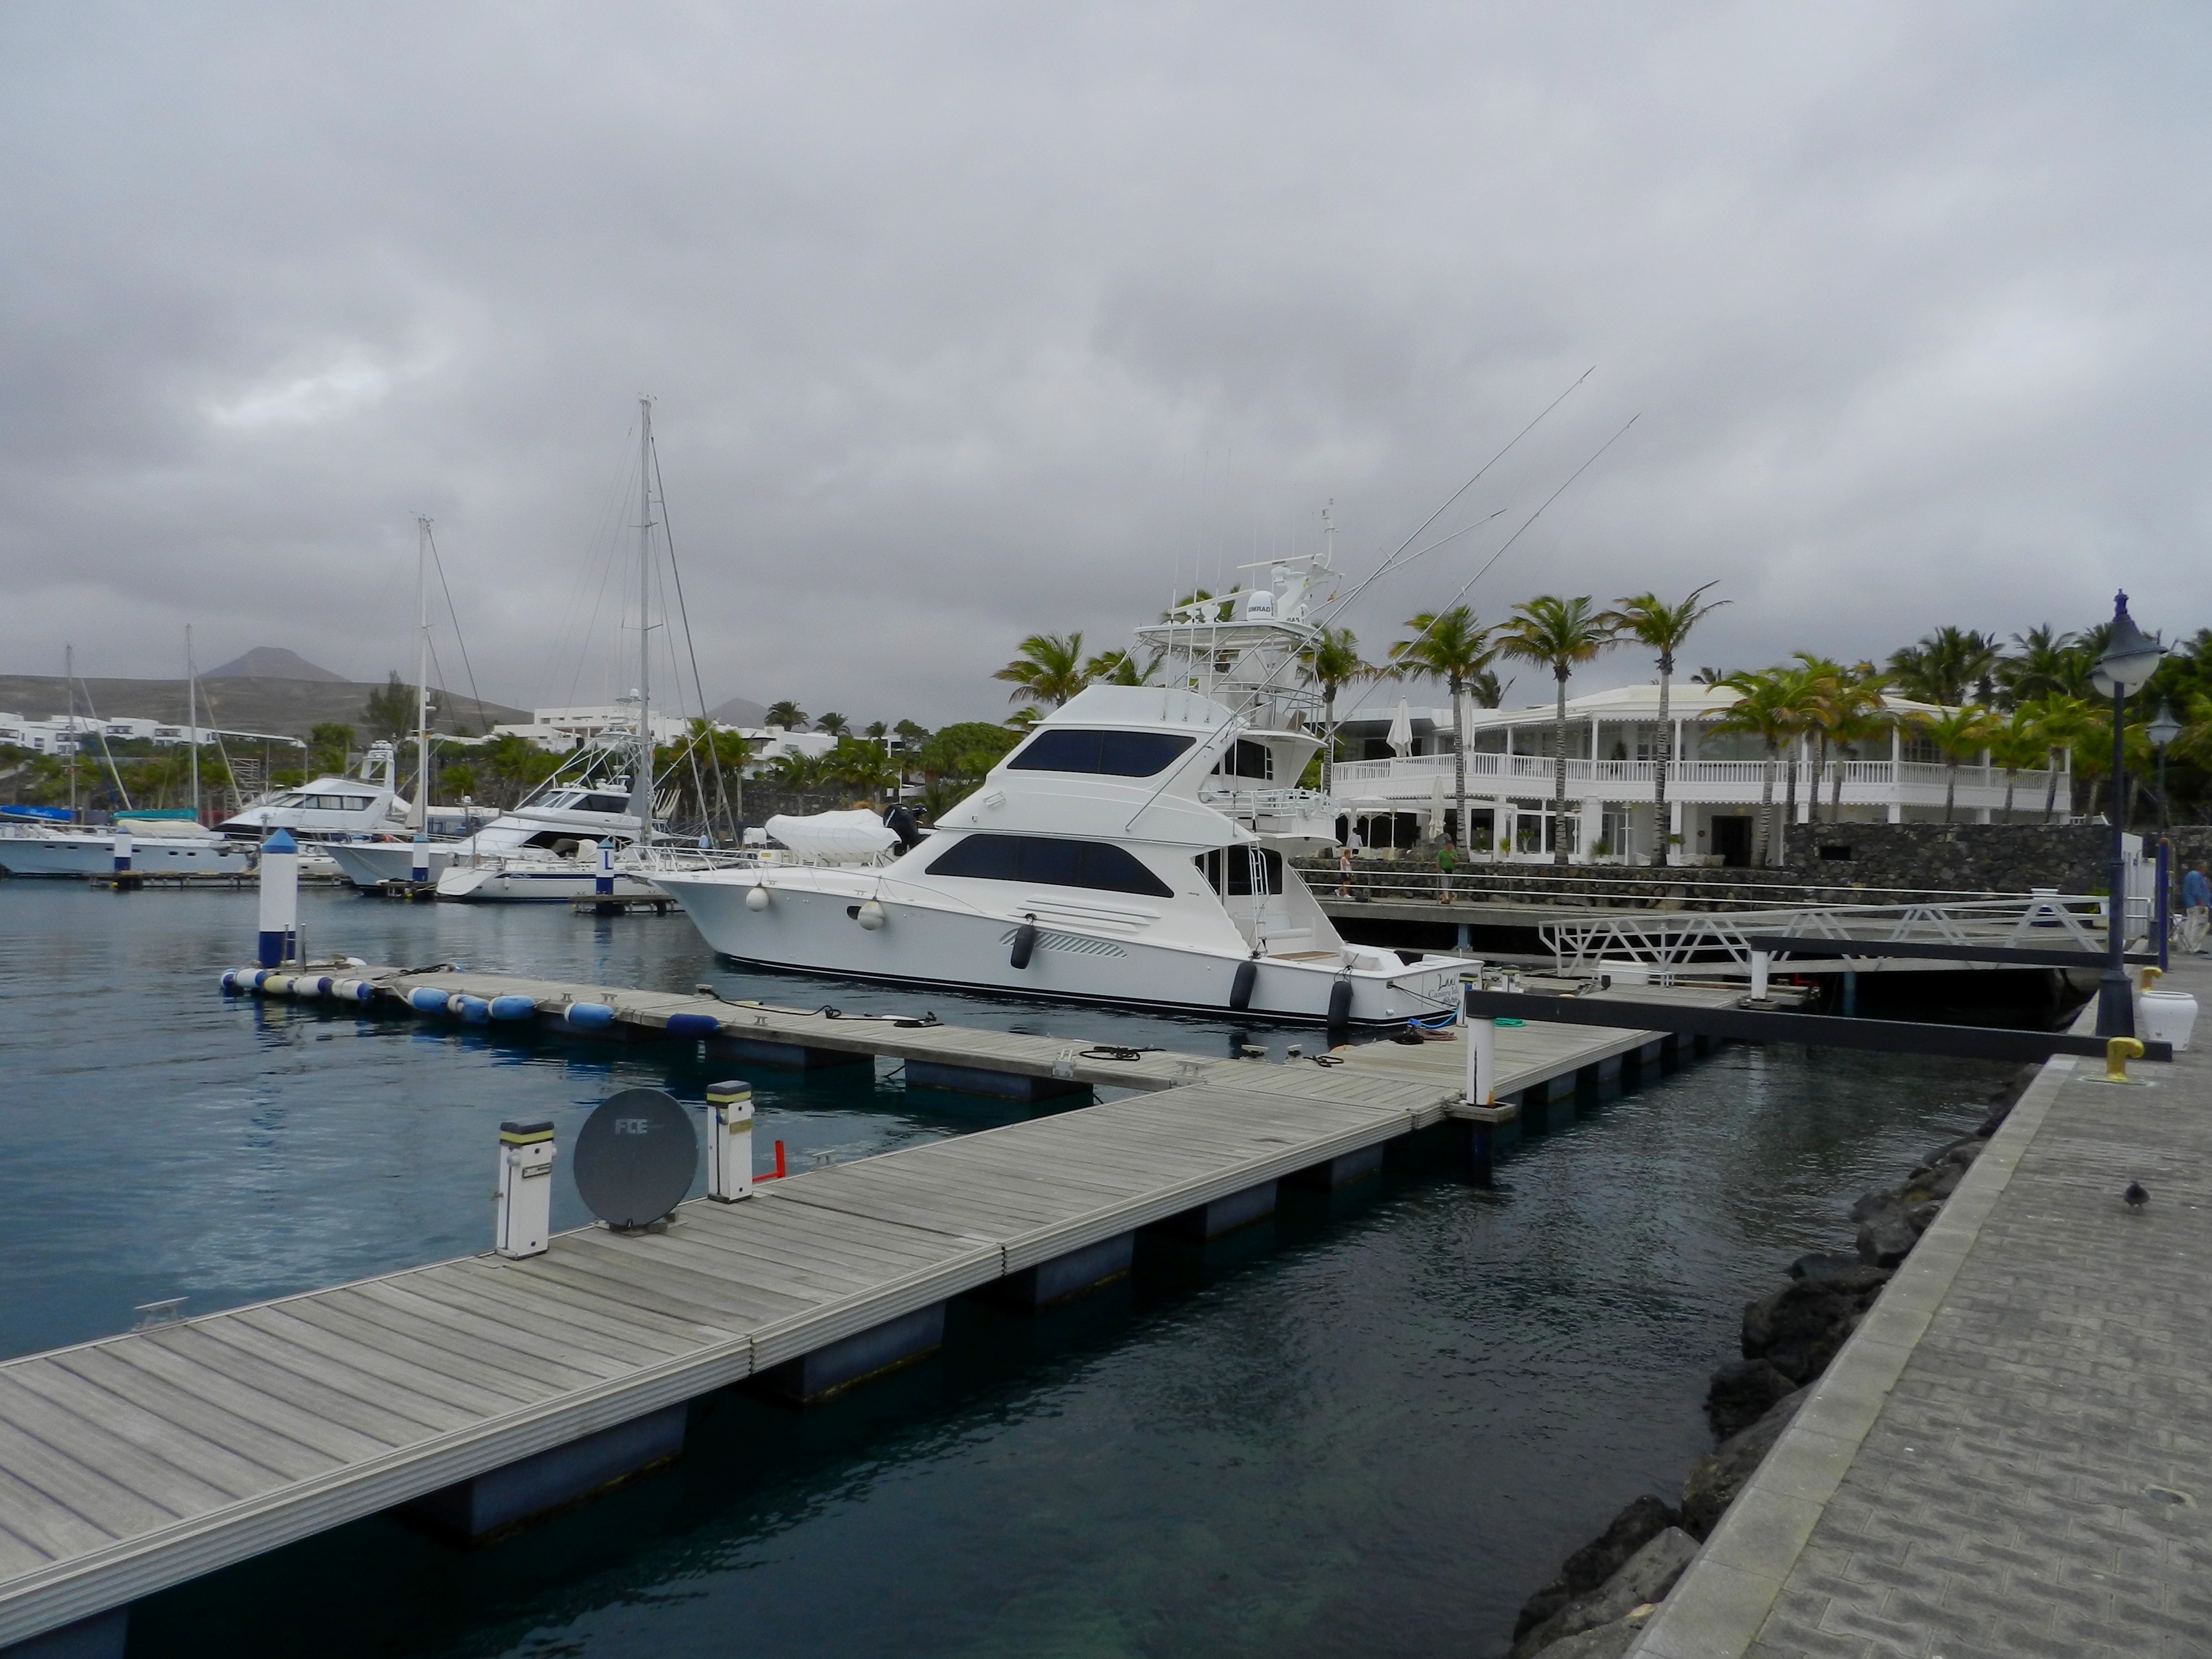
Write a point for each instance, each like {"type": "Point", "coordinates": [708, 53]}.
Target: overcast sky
{"type": "Point", "coordinates": [965, 321]}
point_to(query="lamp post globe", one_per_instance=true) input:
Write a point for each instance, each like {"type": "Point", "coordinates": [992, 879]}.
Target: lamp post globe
{"type": "Point", "coordinates": [2130, 657]}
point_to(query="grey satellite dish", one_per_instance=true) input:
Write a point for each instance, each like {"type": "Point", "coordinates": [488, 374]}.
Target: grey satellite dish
{"type": "Point", "coordinates": [636, 1158]}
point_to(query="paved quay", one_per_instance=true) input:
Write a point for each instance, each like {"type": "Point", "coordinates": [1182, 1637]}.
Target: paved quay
{"type": "Point", "coordinates": [2012, 1454]}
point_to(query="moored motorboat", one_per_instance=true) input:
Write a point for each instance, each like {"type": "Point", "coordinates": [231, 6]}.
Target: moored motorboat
{"type": "Point", "coordinates": [152, 846]}
{"type": "Point", "coordinates": [1090, 865]}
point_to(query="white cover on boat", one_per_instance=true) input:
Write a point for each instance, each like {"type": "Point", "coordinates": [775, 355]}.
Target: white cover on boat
{"type": "Point", "coordinates": [839, 837]}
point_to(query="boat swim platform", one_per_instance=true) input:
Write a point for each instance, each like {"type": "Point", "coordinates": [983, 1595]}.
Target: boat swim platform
{"type": "Point", "coordinates": [476, 1394]}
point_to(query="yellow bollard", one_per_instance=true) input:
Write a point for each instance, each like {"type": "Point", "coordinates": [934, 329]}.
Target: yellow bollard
{"type": "Point", "coordinates": [2118, 1051]}
{"type": "Point", "coordinates": [2150, 977]}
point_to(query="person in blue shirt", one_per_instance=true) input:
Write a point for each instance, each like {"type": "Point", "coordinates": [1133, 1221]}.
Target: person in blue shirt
{"type": "Point", "coordinates": [2196, 909]}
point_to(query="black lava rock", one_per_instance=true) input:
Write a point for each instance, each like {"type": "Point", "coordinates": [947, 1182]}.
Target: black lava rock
{"type": "Point", "coordinates": [1714, 1481]}
{"type": "Point", "coordinates": [1588, 1567]}
{"type": "Point", "coordinates": [1799, 1328]}
{"type": "Point", "coordinates": [1741, 1393]}
{"type": "Point", "coordinates": [1886, 1239]}
{"type": "Point", "coordinates": [1845, 1272]}
{"type": "Point", "coordinates": [1872, 1204]}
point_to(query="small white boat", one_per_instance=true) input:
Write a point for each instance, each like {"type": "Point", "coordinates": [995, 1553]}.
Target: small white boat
{"type": "Point", "coordinates": [1093, 865]}
{"type": "Point", "coordinates": [533, 875]}
{"type": "Point", "coordinates": [557, 824]}
{"type": "Point", "coordinates": [162, 846]}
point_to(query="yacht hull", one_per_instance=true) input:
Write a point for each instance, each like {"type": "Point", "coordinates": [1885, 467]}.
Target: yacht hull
{"type": "Point", "coordinates": [369, 863]}
{"type": "Point", "coordinates": [520, 884]}
{"type": "Point", "coordinates": [816, 929]}
{"type": "Point", "coordinates": [80, 859]}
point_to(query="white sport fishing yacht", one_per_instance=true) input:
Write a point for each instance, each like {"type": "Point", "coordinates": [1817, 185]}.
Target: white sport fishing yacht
{"type": "Point", "coordinates": [1091, 865]}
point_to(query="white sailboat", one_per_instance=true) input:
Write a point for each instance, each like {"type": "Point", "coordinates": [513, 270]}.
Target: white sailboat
{"type": "Point", "coordinates": [523, 857]}
{"type": "Point", "coordinates": [1100, 861]}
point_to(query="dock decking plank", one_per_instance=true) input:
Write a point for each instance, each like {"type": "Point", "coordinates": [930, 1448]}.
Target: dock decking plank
{"type": "Point", "coordinates": [218, 1421]}
{"type": "Point", "coordinates": [234, 1364]}
{"type": "Point", "coordinates": [353, 1355]}
{"type": "Point", "coordinates": [159, 1431]}
{"type": "Point", "coordinates": [95, 1444]}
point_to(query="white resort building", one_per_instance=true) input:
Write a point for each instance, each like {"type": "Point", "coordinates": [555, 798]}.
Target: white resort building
{"type": "Point", "coordinates": [1395, 792]}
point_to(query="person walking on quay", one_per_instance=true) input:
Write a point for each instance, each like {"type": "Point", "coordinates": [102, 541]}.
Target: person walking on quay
{"type": "Point", "coordinates": [1344, 865]}
{"type": "Point", "coordinates": [2196, 909]}
{"type": "Point", "coordinates": [1447, 861]}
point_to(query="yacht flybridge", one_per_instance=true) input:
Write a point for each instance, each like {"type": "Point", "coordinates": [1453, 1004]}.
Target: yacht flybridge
{"type": "Point", "coordinates": [1094, 863]}
{"type": "Point", "coordinates": [1243, 650]}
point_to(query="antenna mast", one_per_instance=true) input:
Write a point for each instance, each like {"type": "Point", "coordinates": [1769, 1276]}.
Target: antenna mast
{"type": "Point", "coordinates": [642, 787]}
{"type": "Point", "coordinates": [418, 808]}
{"type": "Point", "coordinates": [192, 716]}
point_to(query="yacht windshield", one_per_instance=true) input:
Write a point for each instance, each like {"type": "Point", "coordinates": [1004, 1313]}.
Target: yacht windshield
{"type": "Point", "coordinates": [1048, 861]}
{"type": "Point", "coordinates": [1115, 754]}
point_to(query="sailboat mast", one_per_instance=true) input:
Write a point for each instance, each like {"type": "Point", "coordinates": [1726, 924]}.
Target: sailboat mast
{"type": "Point", "coordinates": [417, 810]}
{"type": "Point", "coordinates": [641, 790]}
{"type": "Point", "coordinates": [192, 718]}
{"type": "Point", "coordinates": [69, 686]}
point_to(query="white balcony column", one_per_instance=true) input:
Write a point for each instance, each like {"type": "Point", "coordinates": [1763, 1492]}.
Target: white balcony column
{"type": "Point", "coordinates": [1679, 850]}
{"type": "Point", "coordinates": [1896, 775]}
{"type": "Point", "coordinates": [1982, 813]}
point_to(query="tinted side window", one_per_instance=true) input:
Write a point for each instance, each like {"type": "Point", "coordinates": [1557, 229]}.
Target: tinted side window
{"type": "Point", "coordinates": [1114, 754]}
{"type": "Point", "coordinates": [1049, 861]}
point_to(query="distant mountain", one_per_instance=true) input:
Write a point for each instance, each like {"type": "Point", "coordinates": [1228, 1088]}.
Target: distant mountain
{"type": "Point", "coordinates": [272, 662]}
{"type": "Point", "coordinates": [739, 711]}
{"type": "Point", "coordinates": [287, 706]}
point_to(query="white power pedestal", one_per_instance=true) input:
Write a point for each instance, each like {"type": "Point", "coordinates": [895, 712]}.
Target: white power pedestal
{"type": "Point", "coordinates": [730, 1140]}
{"type": "Point", "coordinates": [525, 1189]}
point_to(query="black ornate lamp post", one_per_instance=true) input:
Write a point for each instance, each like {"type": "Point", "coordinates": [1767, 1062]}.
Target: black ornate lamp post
{"type": "Point", "coordinates": [2163, 731]}
{"type": "Point", "coordinates": [2130, 657]}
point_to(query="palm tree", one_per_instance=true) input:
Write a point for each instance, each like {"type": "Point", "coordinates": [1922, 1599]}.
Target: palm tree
{"type": "Point", "coordinates": [2060, 723]}
{"type": "Point", "coordinates": [1486, 691]}
{"type": "Point", "coordinates": [1664, 628]}
{"type": "Point", "coordinates": [1944, 667]}
{"type": "Point", "coordinates": [1333, 662]}
{"type": "Point", "coordinates": [2045, 664]}
{"type": "Point", "coordinates": [1956, 733]}
{"type": "Point", "coordinates": [2015, 744]}
{"type": "Point", "coordinates": [1763, 709]}
{"type": "Point", "coordinates": [1558, 632]}
{"type": "Point", "coordinates": [833, 723]}
{"type": "Point", "coordinates": [1049, 669]}
{"type": "Point", "coordinates": [1451, 646]}
{"type": "Point", "coordinates": [1114, 668]}
{"type": "Point", "coordinates": [787, 714]}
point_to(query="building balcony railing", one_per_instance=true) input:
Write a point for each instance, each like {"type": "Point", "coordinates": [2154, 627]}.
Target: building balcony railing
{"type": "Point", "coordinates": [1915, 782]}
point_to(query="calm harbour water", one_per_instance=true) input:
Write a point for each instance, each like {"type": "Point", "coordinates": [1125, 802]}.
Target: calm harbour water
{"type": "Point", "coordinates": [1370, 1425]}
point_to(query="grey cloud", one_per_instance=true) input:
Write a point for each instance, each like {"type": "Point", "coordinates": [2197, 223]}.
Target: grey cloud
{"type": "Point", "coordinates": [970, 320]}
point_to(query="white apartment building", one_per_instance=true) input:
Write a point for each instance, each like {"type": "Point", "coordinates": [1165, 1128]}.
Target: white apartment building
{"type": "Point", "coordinates": [559, 731]}
{"type": "Point", "coordinates": [1713, 789]}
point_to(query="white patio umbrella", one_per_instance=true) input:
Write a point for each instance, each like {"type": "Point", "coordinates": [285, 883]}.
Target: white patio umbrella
{"type": "Point", "coordinates": [1402, 730]}
{"type": "Point", "coordinates": [1436, 805]}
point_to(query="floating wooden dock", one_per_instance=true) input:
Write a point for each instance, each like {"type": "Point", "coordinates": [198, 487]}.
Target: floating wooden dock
{"type": "Point", "coordinates": [479, 1392]}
